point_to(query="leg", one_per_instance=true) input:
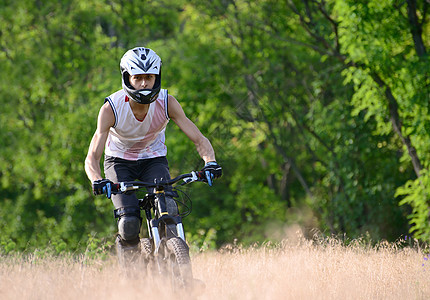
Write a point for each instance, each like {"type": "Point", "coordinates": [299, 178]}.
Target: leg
{"type": "Point", "coordinates": [126, 209]}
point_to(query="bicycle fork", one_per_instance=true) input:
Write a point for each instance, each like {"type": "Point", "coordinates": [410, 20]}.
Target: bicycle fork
{"type": "Point", "coordinates": [153, 224]}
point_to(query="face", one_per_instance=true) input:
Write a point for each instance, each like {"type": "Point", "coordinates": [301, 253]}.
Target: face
{"type": "Point", "coordinates": [142, 81]}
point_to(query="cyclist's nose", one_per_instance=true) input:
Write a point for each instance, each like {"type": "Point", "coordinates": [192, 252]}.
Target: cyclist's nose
{"type": "Point", "coordinates": [143, 84]}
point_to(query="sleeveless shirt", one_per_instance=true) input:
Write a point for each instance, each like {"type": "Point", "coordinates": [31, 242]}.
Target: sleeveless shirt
{"type": "Point", "coordinates": [134, 139]}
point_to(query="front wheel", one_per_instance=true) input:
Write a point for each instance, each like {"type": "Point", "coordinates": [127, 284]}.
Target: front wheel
{"type": "Point", "coordinates": [177, 263]}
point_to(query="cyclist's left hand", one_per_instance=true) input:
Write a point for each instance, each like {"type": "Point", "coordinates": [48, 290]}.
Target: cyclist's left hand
{"type": "Point", "coordinates": [212, 170]}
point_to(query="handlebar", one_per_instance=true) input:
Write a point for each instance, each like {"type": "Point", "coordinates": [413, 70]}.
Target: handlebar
{"type": "Point", "coordinates": [126, 186]}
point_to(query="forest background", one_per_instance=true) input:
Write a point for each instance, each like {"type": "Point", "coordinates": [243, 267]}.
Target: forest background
{"type": "Point", "coordinates": [318, 111]}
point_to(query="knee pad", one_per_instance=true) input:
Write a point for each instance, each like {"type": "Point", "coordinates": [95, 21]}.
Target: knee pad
{"type": "Point", "coordinates": [128, 223]}
{"type": "Point", "coordinates": [129, 227]}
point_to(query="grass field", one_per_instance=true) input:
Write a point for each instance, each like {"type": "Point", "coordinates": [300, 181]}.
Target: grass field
{"type": "Point", "coordinates": [293, 269]}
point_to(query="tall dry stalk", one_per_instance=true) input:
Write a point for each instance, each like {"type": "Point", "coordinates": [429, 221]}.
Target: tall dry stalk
{"type": "Point", "coordinates": [299, 269]}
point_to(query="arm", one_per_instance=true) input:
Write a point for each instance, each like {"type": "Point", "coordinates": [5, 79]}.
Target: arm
{"type": "Point", "coordinates": [203, 145]}
{"type": "Point", "coordinates": [106, 119]}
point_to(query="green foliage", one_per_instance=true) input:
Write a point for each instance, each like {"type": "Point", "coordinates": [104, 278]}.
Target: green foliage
{"type": "Point", "coordinates": [416, 194]}
{"type": "Point", "coordinates": [390, 78]}
{"type": "Point", "coordinates": [98, 248]}
{"type": "Point", "coordinates": [296, 98]}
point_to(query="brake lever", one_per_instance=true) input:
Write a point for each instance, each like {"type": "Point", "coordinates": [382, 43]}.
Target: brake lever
{"type": "Point", "coordinates": [127, 187]}
{"type": "Point", "coordinates": [193, 178]}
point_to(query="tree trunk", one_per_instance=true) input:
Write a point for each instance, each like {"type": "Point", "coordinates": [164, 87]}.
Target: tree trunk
{"type": "Point", "coordinates": [416, 28]}
{"type": "Point", "coordinates": [397, 124]}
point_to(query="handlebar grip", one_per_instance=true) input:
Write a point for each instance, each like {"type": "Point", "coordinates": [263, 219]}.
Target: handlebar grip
{"type": "Point", "coordinates": [201, 175]}
{"type": "Point", "coordinates": [115, 188]}
{"type": "Point", "coordinates": [205, 176]}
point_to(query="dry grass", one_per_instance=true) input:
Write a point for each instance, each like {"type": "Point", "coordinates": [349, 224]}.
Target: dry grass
{"type": "Point", "coordinates": [294, 269]}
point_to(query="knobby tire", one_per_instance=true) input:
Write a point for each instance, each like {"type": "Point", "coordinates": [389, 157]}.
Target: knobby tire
{"type": "Point", "coordinates": [178, 263]}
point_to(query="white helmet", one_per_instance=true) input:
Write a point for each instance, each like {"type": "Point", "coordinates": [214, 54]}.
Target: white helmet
{"type": "Point", "coordinates": [141, 60]}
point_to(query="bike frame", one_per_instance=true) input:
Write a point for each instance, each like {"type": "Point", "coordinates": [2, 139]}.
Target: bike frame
{"type": "Point", "coordinates": [160, 208]}
{"type": "Point", "coordinates": [157, 201]}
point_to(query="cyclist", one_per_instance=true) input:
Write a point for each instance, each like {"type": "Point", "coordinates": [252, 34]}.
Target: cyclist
{"type": "Point", "coordinates": [130, 130]}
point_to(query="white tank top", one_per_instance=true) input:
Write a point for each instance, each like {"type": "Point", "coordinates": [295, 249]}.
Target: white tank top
{"type": "Point", "coordinates": [134, 139]}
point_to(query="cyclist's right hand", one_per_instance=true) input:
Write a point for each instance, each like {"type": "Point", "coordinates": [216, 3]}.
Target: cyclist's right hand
{"type": "Point", "coordinates": [212, 170]}
{"type": "Point", "coordinates": [98, 186]}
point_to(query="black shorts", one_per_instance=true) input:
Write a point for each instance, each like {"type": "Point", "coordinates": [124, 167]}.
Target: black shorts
{"type": "Point", "coordinates": [118, 169]}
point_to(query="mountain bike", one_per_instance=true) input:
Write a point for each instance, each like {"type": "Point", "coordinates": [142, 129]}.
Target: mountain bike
{"type": "Point", "coordinates": [165, 250]}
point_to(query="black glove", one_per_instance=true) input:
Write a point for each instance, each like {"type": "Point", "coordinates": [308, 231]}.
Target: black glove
{"type": "Point", "coordinates": [212, 170]}
{"type": "Point", "coordinates": [98, 186]}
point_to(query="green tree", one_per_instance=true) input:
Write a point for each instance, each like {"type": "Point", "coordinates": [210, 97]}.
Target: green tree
{"type": "Point", "coordinates": [280, 95]}
{"type": "Point", "coordinates": [318, 111]}
{"type": "Point", "coordinates": [59, 59]}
